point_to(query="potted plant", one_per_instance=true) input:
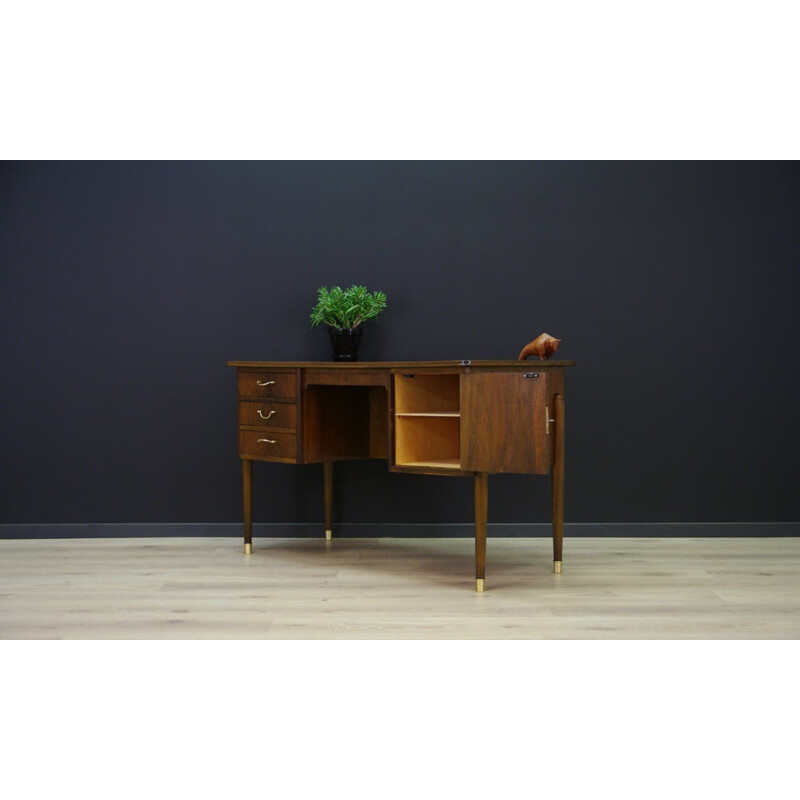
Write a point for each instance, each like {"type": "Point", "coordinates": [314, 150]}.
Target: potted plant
{"type": "Point", "coordinates": [343, 310]}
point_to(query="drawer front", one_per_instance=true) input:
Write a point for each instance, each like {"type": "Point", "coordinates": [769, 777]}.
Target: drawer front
{"type": "Point", "coordinates": [268, 445]}
{"type": "Point", "coordinates": [264, 414]}
{"type": "Point", "coordinates": [268, 384]}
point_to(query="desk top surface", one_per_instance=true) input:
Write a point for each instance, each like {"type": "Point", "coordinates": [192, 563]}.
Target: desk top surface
{"type": "Point", "coordinates": [374, 365]}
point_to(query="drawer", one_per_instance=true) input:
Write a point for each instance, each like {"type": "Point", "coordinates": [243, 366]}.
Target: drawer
{"type": "Point", "coordinates": [272, 445]}
{"type": "Point", "coordinates": [264, 414]}
{"type": "Point", "coordinates": [268, 384]}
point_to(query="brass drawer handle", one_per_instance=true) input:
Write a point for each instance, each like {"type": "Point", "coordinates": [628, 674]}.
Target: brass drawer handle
{"type": "Point", "coordinates": [264, 383]}
{"type": "Point", "coordinates": [271, 413]}
{"type": "Point", "coordinates": [268, 441]}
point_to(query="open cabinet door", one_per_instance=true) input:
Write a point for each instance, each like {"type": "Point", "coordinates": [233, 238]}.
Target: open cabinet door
{"type": "Point", "coordinates": [504, 422]}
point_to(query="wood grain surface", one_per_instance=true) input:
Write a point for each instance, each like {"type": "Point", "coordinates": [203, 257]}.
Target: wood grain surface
{"type": "Point", "coordinates": [503, 422]}
{"type": "Point", "coordinates": [205, 588]}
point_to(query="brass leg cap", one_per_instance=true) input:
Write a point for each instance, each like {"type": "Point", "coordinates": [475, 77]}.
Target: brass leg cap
{"type": "Point", "coordinates": [557, 567]}
{"type": "Point", "coordinates": [479, 584]}
{"type": "Point", "coordinates": [248, 548]}
{"type": "Point", "coordinates": [328, 535]}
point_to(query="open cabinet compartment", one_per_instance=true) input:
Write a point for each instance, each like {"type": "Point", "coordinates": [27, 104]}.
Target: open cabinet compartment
{"type": "Point", "coordinates": [426, 394]}
{"type": "Point", "coordinates": [427, 421]}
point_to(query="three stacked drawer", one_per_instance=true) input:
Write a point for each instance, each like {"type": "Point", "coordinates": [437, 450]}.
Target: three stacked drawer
{"type": "Point", "coordinates": [268, 415]}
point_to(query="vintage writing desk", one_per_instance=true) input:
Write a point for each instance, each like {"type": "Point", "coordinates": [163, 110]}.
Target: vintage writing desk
{"type": "Point", "coordinates": [468, 418]}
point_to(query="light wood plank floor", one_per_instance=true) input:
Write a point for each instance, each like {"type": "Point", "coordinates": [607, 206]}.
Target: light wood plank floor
{"type": "Point", "coordinates": [202, 588]}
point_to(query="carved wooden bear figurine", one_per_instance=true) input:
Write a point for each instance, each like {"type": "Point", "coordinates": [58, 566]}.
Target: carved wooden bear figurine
{"type": "Point", "coordinates": [543, 346]}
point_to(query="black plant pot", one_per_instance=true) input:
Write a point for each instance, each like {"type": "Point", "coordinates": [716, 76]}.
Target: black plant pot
{"type": "Point", "coordinates": [345, 343]}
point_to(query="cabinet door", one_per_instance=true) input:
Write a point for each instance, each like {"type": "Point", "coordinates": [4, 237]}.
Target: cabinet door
{"type": "Point", "coordinates": [503, 422]}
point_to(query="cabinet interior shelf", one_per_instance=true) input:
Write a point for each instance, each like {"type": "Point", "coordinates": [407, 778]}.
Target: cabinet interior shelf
{"type": "Point", "coordinates": [435, 463]}
{"type": "Point", "coordinates": [428, 414]}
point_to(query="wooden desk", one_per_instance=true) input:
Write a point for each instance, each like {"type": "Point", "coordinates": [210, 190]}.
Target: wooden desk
{"type": "Point", "coordinates": [467, 418]}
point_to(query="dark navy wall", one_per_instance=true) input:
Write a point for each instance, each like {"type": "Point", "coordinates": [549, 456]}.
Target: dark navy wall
{"type": "Point", "coordinates": [124, 288]}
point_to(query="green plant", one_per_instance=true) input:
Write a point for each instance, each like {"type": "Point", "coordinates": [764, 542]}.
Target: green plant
{"type": "Point", "coordinates": [346, 308]}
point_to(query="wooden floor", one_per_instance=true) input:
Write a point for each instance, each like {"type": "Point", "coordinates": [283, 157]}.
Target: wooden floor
{"type": "Point", "coordinates": [184, 588]}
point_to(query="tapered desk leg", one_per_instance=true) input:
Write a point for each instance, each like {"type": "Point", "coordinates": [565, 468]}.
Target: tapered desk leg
{"type": "Point", "coordinates": [247, 504]}
{"type": "Point", "coordinates": [557, 483]}
{"type": "Point", "coordinates": [328, 472]}
{"type": "Point", "coordinates": [481, 513]}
